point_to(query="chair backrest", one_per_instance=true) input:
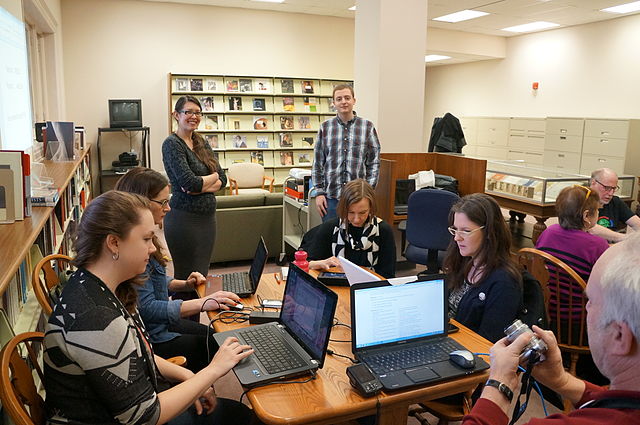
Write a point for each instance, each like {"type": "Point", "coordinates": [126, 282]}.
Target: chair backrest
{"type": "Point", "coordinates": [246, 174]}
{"type": "Point", "coordinates": [20, 398]}
{"type": "Point", "coordinates": [42, 289]}
{"type": "Point", "coordinates": [564, 297]}
{"type": "Point", "coordinates": [428, 218]}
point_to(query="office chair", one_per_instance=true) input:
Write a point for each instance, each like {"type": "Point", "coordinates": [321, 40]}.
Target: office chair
{"type": "Point", "coordinates": [248, 178]}
{"type": "Point", "coordinates": [427, 222]}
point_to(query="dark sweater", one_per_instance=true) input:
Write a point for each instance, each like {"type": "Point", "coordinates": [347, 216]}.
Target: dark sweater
{"type": "Point", "coordinates": [184, 170]}
{"type": "Point", "coordinates": [491, 305]}
{"type": "Point", "coordinates": [320, 247]}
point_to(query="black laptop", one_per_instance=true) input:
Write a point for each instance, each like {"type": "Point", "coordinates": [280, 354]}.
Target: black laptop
{"type": "Point", "coordinates": [294, 345]}
{"type": "Point", "coordinates": [400, 332]}
{"type": "Point", "coordinates": [245, 284]}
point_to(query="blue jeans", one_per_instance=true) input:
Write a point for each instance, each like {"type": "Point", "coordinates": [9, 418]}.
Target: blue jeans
{"type": "Point", "coordinates": [227, 412]}
{"type": "Point", "coordinates": [332, 205]}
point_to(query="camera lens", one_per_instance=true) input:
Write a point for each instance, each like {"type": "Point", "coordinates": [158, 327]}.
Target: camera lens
{"type": "Point", "coordinates": [534, 348]}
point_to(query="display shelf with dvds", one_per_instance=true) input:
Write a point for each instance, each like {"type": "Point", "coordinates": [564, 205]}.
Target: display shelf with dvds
{"type": "Point", "coordinates": [258, 118]}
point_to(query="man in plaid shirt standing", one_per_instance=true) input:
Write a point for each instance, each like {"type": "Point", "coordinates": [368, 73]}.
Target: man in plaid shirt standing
{"type": "Point", "coordinates": [347, 148]}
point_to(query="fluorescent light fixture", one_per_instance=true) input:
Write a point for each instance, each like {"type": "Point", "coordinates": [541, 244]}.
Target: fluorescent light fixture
{"type": "Point", "coordinates": [533, 26]}
{"type": "Point", "coordinates": [623, 8]}
{"type": "Point", "coordinates": [463, 15]}
{"type": "Point", "coordinates": [270, 1]}
{"type": "Point", "coordinates": [352, 7]}
{"type": "Point", "coordinates": [433, 58]}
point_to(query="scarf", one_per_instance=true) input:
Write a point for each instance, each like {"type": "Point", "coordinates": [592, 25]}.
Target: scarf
{"type": "Point", "coordinates": [368, 242]}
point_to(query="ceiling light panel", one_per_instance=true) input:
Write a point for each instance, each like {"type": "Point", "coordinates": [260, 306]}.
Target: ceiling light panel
{"type": "Point", "coordinates": [463, 15]}
{"type": "Point", "coordinates": [623, 8]}
{"type": "Point", "coordinates": [532, 26]}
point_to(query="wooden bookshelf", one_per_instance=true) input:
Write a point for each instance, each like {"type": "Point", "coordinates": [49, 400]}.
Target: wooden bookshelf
{"type": "Point", "coordinates": [268, 112]}
{"type": "Point", "coordinates": [73, 179]}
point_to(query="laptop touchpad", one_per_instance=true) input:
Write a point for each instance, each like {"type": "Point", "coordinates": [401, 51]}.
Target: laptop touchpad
{"type": "Point", "coordinates": [421, 374]}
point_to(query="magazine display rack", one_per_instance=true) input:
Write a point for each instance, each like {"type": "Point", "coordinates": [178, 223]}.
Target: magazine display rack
{"type": "Point", "coordinates": [272, 121]}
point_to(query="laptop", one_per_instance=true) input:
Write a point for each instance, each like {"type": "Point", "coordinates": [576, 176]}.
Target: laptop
{"type": "Point", "coordinates": [400, 332]}
{"type": "Point", "coordinates": [294, 345]}
{"type": "Point", "coordinates": [245, 284]}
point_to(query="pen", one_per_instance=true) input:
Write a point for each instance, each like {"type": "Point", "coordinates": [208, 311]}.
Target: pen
{"type": "Point", "coordinates": [277, 277]}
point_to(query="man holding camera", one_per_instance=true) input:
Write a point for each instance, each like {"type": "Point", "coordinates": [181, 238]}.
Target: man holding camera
{"type": "Point", "coordinates": [613, 324]}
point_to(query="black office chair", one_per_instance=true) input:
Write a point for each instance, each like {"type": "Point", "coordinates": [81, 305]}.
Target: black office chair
{"type": "Point", "coordinates": [427, 222]}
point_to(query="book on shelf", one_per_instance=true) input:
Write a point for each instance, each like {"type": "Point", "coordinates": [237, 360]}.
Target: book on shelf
{"type": "Point", "coordinates": [286, 123]}
{"type": "Point", "coordinates": [259, 104]}
{"type": "Point", "coordinates": [44, 197]}
{"type": "Point", "coordinates": [196, 84]}
{"type": "Point", "coordinates": [310, 104]}
{"type": "Point", "coordinates": [207, 104]}
{"type": "Point", "coordinates": [236, 124]}
{"type": "Point", "coordinates": [304, 123]}
{"type": "Point", "coordinates": [330, 106]}
{"type": "Point", "coordinates": [287, 104]}
{"type": "Point", "coordinates": [235, 103]}
{"type": "Point", "coordinates": [286, 158]}
{"type": "Point", "coordinates": [238, 161]}
{"type": "Point", "coordinates": [232, 85]}
{"type": "Point", "coordinates": [257, 157]}
{"type": "Point", "coordinates": [263, 86]}
{"type": "Point", "coordinates": [13, 161]}
{"type": "Point", "coordinates": [307, 86]}
{"type": "Point", "coordinates": [182, 84]}
{"type": "Point", "coordinates": [262, 142]}
{"type": "Point", "coordinates": [238, 141]}
{"type": "Point", "coordinates": [209, 122]}
{"type": "Point", "coordinates": [211, 84]}
{"type": "Point", "coordinates": [304, 158]}
{"type": "Point", "coordinates": [286, 140]}
{"type": "Point", "coordinates": [7, 199]}
{"type": "Point", "coordinates": [260, 123]}
{"type": "Point", "coordinates": [286, 85]}
{"type": "Point", "coordinates": [58, 140]}
{"type": "Point", "coordinates": [212, 140]}
{"type": "Point", "coordinates": [308, 140]}
{"type": "Point", "coordinates": [246, 85]}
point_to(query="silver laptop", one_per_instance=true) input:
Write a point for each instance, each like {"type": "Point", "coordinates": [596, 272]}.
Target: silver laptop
{"type": "Point", "coordinates": [294, 345]}
{"type": "Point", "coordinates": [400, 332]}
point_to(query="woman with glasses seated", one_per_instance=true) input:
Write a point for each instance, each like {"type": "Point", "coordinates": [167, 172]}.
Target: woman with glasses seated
{"type": "Point", "coordinates": [195, 176]}
{"type": "Point", "coordinates": [485, 284]}
{"type": "Point", "coordinates": [170, 334]}
{"type": "Point", "coordinates": [356, 234]}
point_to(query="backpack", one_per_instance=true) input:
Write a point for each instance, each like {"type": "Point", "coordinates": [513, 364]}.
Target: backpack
{"type": "Point", "coordinates": [533, 310]}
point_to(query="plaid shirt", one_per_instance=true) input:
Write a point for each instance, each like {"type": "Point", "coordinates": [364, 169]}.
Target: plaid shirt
{"type": "Point", "coordinates": [344, 152]}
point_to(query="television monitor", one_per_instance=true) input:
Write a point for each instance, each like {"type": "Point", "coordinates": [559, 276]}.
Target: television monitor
{"type": "Point", "coordinates": [125, 113]}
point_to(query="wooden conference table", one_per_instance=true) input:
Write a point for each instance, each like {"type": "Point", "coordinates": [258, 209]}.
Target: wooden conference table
{"type": "Point", "coordinates": [330, 398]}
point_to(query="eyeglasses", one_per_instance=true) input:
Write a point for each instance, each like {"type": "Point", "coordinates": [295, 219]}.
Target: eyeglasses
{"type": "Point", "coordinates": [162, 203]}
{"type": "Point", "coordinates": [463, 233]}
{"type": "Point", "coordinates": [192, 113]}
{"type": "Point", "coordinates": [585, 188]}
{"type": "Point", "coordinates": [608, 188]}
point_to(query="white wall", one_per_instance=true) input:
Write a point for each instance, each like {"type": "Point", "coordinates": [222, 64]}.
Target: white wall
{"type": "Point", "coordinates": [125, 49]}
{"type": "Point", "coordinates": [588, 70]}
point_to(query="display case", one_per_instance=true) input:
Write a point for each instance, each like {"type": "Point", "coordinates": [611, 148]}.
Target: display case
{"type": "Point", "coordinates": [539, 185]}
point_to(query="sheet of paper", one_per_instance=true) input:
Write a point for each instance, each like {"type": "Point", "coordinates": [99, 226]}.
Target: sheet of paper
{"type": "Point", "coordinates": [356, 274]}
{"type": "Point", "coordinates": [402, 280]}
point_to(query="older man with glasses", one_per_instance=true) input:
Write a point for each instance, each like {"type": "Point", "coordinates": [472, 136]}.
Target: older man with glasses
{"type": "Point", "coordinates": [613, 214]}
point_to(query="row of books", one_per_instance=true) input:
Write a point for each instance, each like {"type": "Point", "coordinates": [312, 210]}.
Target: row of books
{"type": "Point", "coordinates": [239, 141]}
{"type": "Point", "coordinates": [259, 123]}
{"type": "Point", "coordinates": [261, 104]}
{"type": "Point", "coordinates": [266, 158]}
{"type": "Point", "coordinates": [248, 85]}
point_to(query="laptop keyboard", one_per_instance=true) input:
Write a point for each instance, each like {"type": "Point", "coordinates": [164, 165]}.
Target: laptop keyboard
{"type": "Point", "coordinates": [418, 355]}
{"type": "Point", "coordinates": [238, 283]}
{"type": "Point", "coordinates": [274, 354]}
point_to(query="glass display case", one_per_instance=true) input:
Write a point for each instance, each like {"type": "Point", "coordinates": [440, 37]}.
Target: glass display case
{"type": "Point", "coordinates": [539, 185]}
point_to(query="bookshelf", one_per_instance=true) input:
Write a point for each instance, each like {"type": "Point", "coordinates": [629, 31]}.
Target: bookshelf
{"type": "Point", "coordinates": [270, 120]}
{"type": "Point", "coordinates": [46, 232]}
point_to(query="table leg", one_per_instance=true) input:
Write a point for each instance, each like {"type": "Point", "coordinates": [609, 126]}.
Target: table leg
{"type": "Point", "coordinates": [538, 228]}
{"type": "Point", "coordinates": [395, 414]}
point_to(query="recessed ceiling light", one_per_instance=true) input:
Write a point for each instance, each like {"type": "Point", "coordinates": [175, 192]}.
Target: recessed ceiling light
{"type": "Point", "coordinates": [433, 58]}
{"type": "Point", "coordinates": [532, 26]}
{"type": "Point", "coordinates": [352, 7]}
{"type": "Point", "coordinates": [623, 8]}
{"type": "Point", "coordinates": [270, 1]}
{"type": "Point", "coordinates": [463, 15]}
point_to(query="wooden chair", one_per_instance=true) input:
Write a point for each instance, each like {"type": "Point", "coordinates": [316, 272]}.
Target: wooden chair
{"type": "Point", "coordinates": [248, 178]}
{"type": "Point", "coordinates": [20, 398]}
{"type": "Point", "coordinates": [447, 409]}
{"type": "Point", "coordinates": [568, 326]}
{"type": "Point", "coordinates": [43, 290]}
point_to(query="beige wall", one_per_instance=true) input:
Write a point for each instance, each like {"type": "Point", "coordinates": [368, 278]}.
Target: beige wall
{"type": "Point", "coordinates": [584, 71]}
{"type": "Point", "coordinates": [125, 49]}
{"type": "Point", "coordinates": [12, 6]}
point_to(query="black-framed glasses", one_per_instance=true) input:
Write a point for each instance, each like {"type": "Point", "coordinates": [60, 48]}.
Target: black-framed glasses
{"type": "Point", "coordinates": [162, 203]}
{"type": "Point", "coordinates": [463, 233]}
{"type": "Point", "coordinates": [608, 188]}
{"type": "Point", "coordinates": [192, 113]}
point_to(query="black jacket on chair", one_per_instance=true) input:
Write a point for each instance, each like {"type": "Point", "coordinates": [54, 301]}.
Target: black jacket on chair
{"type": "Point", "coordinates": [446, 135]}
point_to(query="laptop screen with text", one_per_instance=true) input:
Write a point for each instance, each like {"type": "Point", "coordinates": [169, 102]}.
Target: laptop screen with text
{"type": "Point", "coordinates": [387, 314]}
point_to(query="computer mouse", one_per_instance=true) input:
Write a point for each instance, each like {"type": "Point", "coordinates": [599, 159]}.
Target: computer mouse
{"type": "Point", "coordinates": [236, 307]}
{"type": "Point", "coordinates": [463, 358]}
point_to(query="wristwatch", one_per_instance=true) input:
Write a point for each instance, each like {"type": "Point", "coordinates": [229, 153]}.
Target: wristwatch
{"type": "Point", "coordinates": [501, 387]}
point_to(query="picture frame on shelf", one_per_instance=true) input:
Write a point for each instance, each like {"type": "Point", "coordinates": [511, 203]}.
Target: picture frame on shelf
{"type": "Point", "coordinates": [307, 141]}
{"type": "Point", "coordinates": [286, 158]}
{"type": "Point", "coordinates": [286, 140]}
{"type": "Point", "coordinates": [330, 106]}
{"type": "Point", "coordinates": [259, 104]}
{"type": "Point", "coordinates": [257, 157]}
{"type": "Point", "coordinates": [260, 123]}
{"type": "Point", "coordinates": [238, 141]}
{"type": "Point", "coordinates": [304, 158]}
{"type": "Point", "coordinates": [262, 142]}
{"type": "Point", "coordinates": [263, 85]}
{"type": "Point", "coordinates": [246, 85]}
{"type": "Point", "coordinates": [235, 103]}
{"type": "Point", "coordinates": [209, 122]}
{"type": "Point", "coordinates": [304, 123]}
{"type": "Point", "coordinates": [286, 85]}
{"type": "Point", "coordinates": [310, 104]}
{"type": "Point", "coordinates": [211, 84]}
{"type": "Point", "coordinates": [182, 84]}
{"type": "Point", "coordinates": [288, 104]}
{"type": "Point", "coordinates": [212, 140]}
{"type": "Point", "coordinates": [232, 86]}
{"type": "Point", "coordinates": [286, 123]}
{"type": "Point", "coordinates": [236, 124]}
{"type": "Point", "coordinates": [207, 104]}
{"type": "Point", "coordinates": [307, 86]}
{"type": "Point", "coordinates": [196, 84]}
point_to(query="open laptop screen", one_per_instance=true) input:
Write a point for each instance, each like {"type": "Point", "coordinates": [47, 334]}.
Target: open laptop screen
{"type": "Point", "coordinates": [307, 311]}
{"type": "Point", "coordinates": [387, 314]}
{"type": "Point", "coordinates": [259, 260]}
